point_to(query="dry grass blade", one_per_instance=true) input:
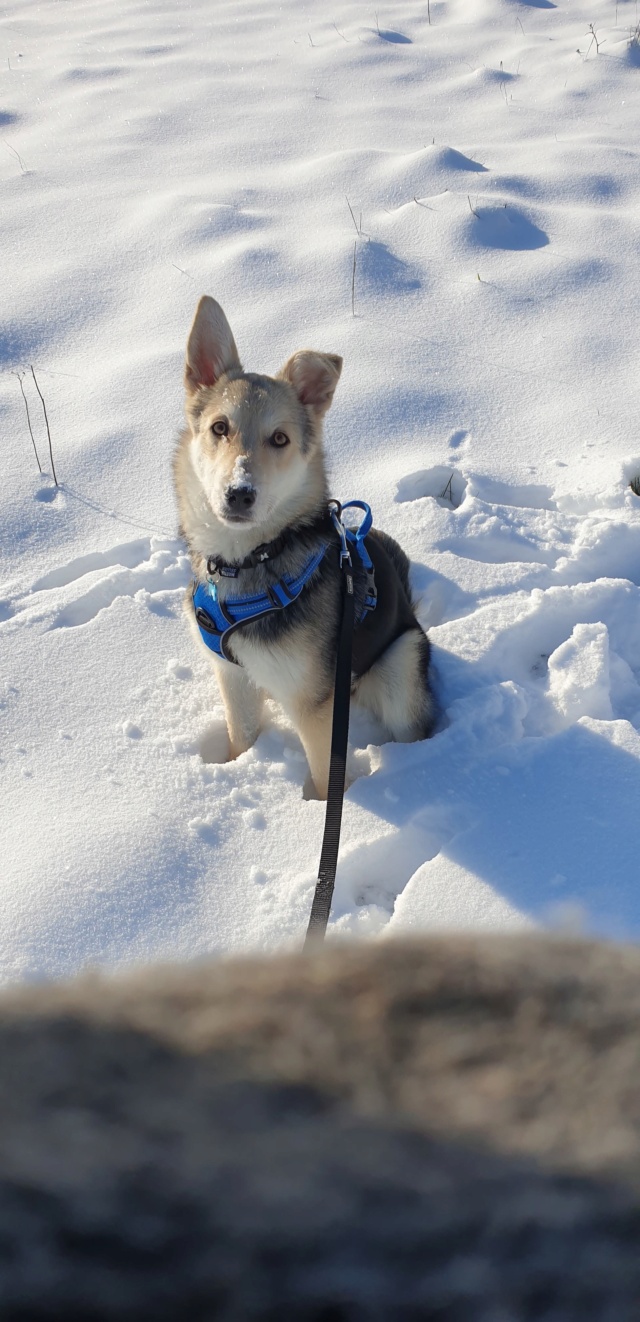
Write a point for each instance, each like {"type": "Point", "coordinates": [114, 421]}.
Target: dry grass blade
{"type": "Point", "coordinates": [352, 214]}
{"type": "Point", "coordinates": [20, 376]}
{"type": "Point", "coordinates": [44, 409]}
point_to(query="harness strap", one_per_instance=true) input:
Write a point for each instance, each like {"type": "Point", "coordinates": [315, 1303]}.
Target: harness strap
{"type": "Point", "coordinates": [218, 619]}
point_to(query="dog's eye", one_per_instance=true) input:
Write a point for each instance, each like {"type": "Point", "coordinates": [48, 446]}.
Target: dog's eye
{"type": "Point", "coordinates": [279, 439]}
{"type": "Point", "coordinates": [220, 427]}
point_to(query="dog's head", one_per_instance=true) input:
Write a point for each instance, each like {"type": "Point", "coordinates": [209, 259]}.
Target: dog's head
{"type": "Point", "coordinates": [253, 438]}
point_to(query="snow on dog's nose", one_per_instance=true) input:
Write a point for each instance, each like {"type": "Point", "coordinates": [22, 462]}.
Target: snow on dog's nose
{"type": "Point", "coordinates": [240, 495]}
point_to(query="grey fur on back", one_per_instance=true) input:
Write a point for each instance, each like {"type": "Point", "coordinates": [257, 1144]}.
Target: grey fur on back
{"type": "Point", "coordinates": [447, 1129]}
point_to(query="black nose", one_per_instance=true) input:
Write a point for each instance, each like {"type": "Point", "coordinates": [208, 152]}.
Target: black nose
{"type": "Point", "coordinates": [240, 498]}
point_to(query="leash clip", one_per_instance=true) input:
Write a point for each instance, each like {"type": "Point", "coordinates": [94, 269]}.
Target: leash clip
{"type": "Point", "coordinates": [335, 511]}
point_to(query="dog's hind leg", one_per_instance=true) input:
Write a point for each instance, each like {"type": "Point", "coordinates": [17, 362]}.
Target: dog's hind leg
{"type": "Point", "coordinates": [242, 706]}
{"type": "Point", "coordinates": [396, 688]}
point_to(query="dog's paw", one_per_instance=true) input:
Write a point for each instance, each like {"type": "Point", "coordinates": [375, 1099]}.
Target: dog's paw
{"type": "Point", "coordinates": [310, 791]}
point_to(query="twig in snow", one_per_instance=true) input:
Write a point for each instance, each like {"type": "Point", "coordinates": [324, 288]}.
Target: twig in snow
{"type": "Point", "coordinates": [47, 371]}
{"type": "Point", "coordinates": [179, 268]}
{"type": "Point", "coordinates": [359, 230]}
{"type": "Point", "coordinates": [473, 212]}
{"type": "Point", "coordinates": [352, 215]}
{"type": "Point", "coordinates": [44, 409]}
{"type": "Point", "coordinates": [116, 514]}
{"type": "Point", "coordinates": [422, 204]}
{"type": "Point", "coordinates": [309, 36]}
{"type": "Point", "coordinates": [594, 38]}
{"type": "Point", "coordinates": [20, 376]}
{"type": "Point", "coordinates": [447, 494]}
{"type": "Point", "coordinates": [17, 156]}
{"type": "Point", "coordinates": [429, 11]}
{"type": "Point", "coordinates": [340, 34]}
{"type": "Point", "coordinates": [353, 280]}
{"type": "Point", "coordinates": [521, 27]}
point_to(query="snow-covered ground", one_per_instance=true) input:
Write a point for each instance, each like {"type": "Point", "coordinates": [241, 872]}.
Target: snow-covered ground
{"type": "Point", "coordinates": [488, 410]}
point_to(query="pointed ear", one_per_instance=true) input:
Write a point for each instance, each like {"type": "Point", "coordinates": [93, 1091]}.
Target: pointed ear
{"type": "Point", "coordinates": [211, 348]}
{"type": "Point", "coordinates": [314, 377]}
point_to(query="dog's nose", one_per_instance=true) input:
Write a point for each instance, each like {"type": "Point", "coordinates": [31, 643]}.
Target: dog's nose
{"type": "Point", "coordinates": [240, 499]}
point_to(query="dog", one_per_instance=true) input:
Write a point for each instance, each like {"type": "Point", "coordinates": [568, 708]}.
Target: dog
{"type": "Point", "coordinates": [253, 499]}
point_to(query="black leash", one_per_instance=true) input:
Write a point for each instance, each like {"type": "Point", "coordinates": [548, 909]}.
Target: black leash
{"type": "Point", "coordinates": [321, 907]}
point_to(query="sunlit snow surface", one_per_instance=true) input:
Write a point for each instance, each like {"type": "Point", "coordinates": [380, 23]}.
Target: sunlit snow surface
{"type": "Point", "coordinates": [488, 410]}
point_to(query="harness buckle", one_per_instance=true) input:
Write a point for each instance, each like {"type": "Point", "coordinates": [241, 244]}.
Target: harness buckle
{"type": "Point", "coordinates": [205, 621]}
{"type": "Point", "coordinates": [345, 554]}
{"type": "Point", "coordinates": [274, 599]}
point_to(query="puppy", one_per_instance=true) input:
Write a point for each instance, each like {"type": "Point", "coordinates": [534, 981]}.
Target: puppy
{"type": "Point", "coordinates": [254, 508]}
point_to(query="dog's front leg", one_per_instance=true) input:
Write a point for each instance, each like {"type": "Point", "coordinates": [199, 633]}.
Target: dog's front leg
{"type": "Point", "coordinates": [314, 727]}
{"type": "Point", "coordinates": [242, 706]}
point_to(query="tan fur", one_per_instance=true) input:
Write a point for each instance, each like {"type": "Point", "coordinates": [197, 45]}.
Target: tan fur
{"type": "Point", "coordinates": [313, 724]}
{"type": "Point", "coordinates": [524, 1043]}
{"type": "Point", "coordinates": [388, 689]}
{"type": "Point", "coordinates": [242, 707]}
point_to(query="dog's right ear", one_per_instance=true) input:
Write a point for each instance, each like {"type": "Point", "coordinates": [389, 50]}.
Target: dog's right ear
{"type": "Point", "coordinates": [211, 348]}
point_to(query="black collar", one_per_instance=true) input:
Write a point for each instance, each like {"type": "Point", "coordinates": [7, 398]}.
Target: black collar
{"type": "Point", "coordinates": [218, 568]}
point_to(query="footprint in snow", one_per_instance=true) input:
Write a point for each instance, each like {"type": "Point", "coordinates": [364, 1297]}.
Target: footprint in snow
{"type": "Point", "coordinates": [152, 566]}
{"type": "Point", "coordinates": [46, 495]}
{"type": "Point", "coordinates": [505, 228]}
{"type": "Point", "coordinates": [385, 272]}
{"type": "Point", "coordinates": [458, 438]}
{"type": "Point", "coordinates": [444, 484]}
{"type": "Point", "coordinates": [397, 38]}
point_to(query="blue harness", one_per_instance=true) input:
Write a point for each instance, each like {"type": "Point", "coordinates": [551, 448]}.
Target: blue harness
{"type": "Point", "coordinates": [217, 620]}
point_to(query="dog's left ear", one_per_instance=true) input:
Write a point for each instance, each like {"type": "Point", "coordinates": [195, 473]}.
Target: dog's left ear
{"type": "Point", "coordinates": [314, 377]}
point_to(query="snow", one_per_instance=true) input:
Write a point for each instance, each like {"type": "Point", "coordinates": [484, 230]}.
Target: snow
{"type": "Point", "coordinates": [487, 410]}
{"type": "Point", "coordinates": [241, 477]}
